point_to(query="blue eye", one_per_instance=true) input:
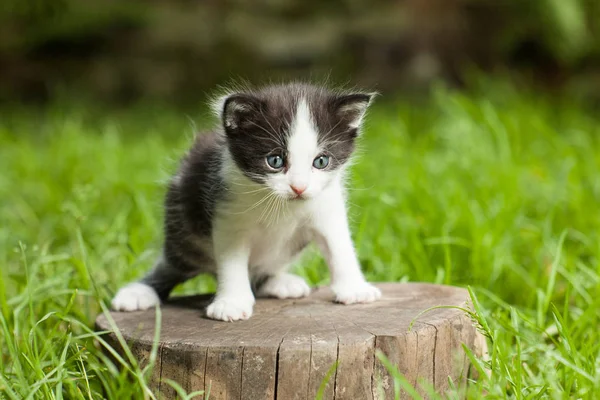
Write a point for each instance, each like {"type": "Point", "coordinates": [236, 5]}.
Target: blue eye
{"type": "Point", "coordinates": [321, 162]}
{"type": "Point", "coordinates": [275, 161]}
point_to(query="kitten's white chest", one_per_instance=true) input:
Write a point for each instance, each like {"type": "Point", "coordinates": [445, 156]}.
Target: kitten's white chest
{"type": "Point", "coordinates": [274, 244]}
{"type": "Point", "coordinates": [275, 230]}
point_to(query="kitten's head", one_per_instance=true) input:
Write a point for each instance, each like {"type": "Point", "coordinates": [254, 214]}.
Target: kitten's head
{"type": "Point", "coordinates": [293, 138]}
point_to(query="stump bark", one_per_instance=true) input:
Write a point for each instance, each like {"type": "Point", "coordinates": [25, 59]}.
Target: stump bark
{"type": "Point", "coordinates": [295, 349]}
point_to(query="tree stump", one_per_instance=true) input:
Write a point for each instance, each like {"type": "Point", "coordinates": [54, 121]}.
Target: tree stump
{"type": "Point", "coordinates": [295, 349]}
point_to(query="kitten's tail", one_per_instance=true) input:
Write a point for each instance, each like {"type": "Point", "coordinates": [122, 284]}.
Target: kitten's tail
{"type": "Point", "coordinates": [163, 277]}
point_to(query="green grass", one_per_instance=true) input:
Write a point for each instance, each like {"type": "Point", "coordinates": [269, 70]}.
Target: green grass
{"type": "Point", "coordinates": [494, 189]}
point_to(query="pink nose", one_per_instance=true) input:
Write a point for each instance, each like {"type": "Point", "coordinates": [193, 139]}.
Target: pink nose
{"type": "Point", "coordinates": [298, 189]}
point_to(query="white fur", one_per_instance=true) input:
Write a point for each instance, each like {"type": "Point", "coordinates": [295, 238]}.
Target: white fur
{"type": "Point", "coordinates": [257, 231]}
{"type": "Point", "coordinates": [135, 296]}
{"type": "Point", "coordinates": [332, 234]}
{"type": "Point", "coordinates": [259, 228]}
{"type": "Point", "coordinates": [285, 286]}
{"type": "Point", "coordinates": [302, 150]}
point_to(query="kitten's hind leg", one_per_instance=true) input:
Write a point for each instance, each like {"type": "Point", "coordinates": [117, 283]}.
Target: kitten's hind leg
{"type": "Point", "coordinates": [283, 285]}
{"type": "Point", "coordinates": [150, 290]}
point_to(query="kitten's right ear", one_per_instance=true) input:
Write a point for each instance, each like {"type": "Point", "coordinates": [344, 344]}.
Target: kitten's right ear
{"type": "Point", "coordinates": [239, 110]}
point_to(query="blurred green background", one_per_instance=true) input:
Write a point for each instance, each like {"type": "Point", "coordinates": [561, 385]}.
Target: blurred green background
{"type": "Point", "coordinates": [177, 50]}
{"type": "Point", "coordinates": [479, 166]}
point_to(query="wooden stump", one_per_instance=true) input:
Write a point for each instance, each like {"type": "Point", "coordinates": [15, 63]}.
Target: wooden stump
{"type": "Point", "coordinates": [289, 349]}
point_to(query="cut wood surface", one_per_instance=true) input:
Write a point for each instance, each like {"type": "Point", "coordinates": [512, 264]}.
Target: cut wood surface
{"type": "Point", "coordinates": [294, 349]}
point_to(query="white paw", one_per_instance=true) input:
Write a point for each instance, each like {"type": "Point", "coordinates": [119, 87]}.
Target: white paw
{"type": "Point", "coordinates": [285, 286]}
{"type": "Point", "coordinates": [230, 308]}
{"type": "Point", "coordinates": [355, 292]}
{"type": "Point", "coordinates": [135, 296]}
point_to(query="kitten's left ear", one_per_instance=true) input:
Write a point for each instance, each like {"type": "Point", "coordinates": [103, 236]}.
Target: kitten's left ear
{"type": "Point", "coordinates": [352, 107]}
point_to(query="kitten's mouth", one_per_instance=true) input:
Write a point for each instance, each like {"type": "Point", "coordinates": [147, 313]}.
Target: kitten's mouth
{"type": "Point", "coordinates": [297, 197]}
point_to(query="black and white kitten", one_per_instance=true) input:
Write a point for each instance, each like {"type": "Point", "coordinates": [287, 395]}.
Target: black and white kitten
{"type": "Point", "coordinates": [250, 196]}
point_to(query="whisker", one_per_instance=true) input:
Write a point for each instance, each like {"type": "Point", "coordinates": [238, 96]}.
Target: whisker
{"type": "Point", "coordinates": [279, 136]}
{"type": "Point", "coordinates": [259, 202]}
{"type": "Point", "coordinates": [273, 135]}
{"type": "Point", "coordinates": [277, 209]}
{"type": "Point", "coordinates": [332, 128]}
{"type": "Point", "coordinates": [267, 207]}
{"type": "Point", "coordinates": [354, 189]}
{"type": "Point", "coordinates": [253, 206]}
{"type": "Point", "coordinates": [254, 191]}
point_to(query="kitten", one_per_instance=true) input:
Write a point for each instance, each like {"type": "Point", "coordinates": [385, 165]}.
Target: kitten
{"type": "Point", "coordinates": [250, 196]}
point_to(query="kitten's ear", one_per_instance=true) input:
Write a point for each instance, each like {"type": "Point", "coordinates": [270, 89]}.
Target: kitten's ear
{"type": "Point", "coordinates": [352, 107]}
{"type": "Point", "coordinates": [239, 109]}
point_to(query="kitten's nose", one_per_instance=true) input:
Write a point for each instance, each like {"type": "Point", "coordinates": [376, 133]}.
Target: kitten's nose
{"type": "Point", "coordinates": [298, 189]}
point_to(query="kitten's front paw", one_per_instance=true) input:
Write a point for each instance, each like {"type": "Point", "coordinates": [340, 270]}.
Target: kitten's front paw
{"type": "Point", "coordinates": [355, 292]}
{"type": "Point", "coordinates": [135, 296]}
{"type": "Point", "coordinates": [230, 308]}
{"type": "Point", "coordinates": [285, 286]}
